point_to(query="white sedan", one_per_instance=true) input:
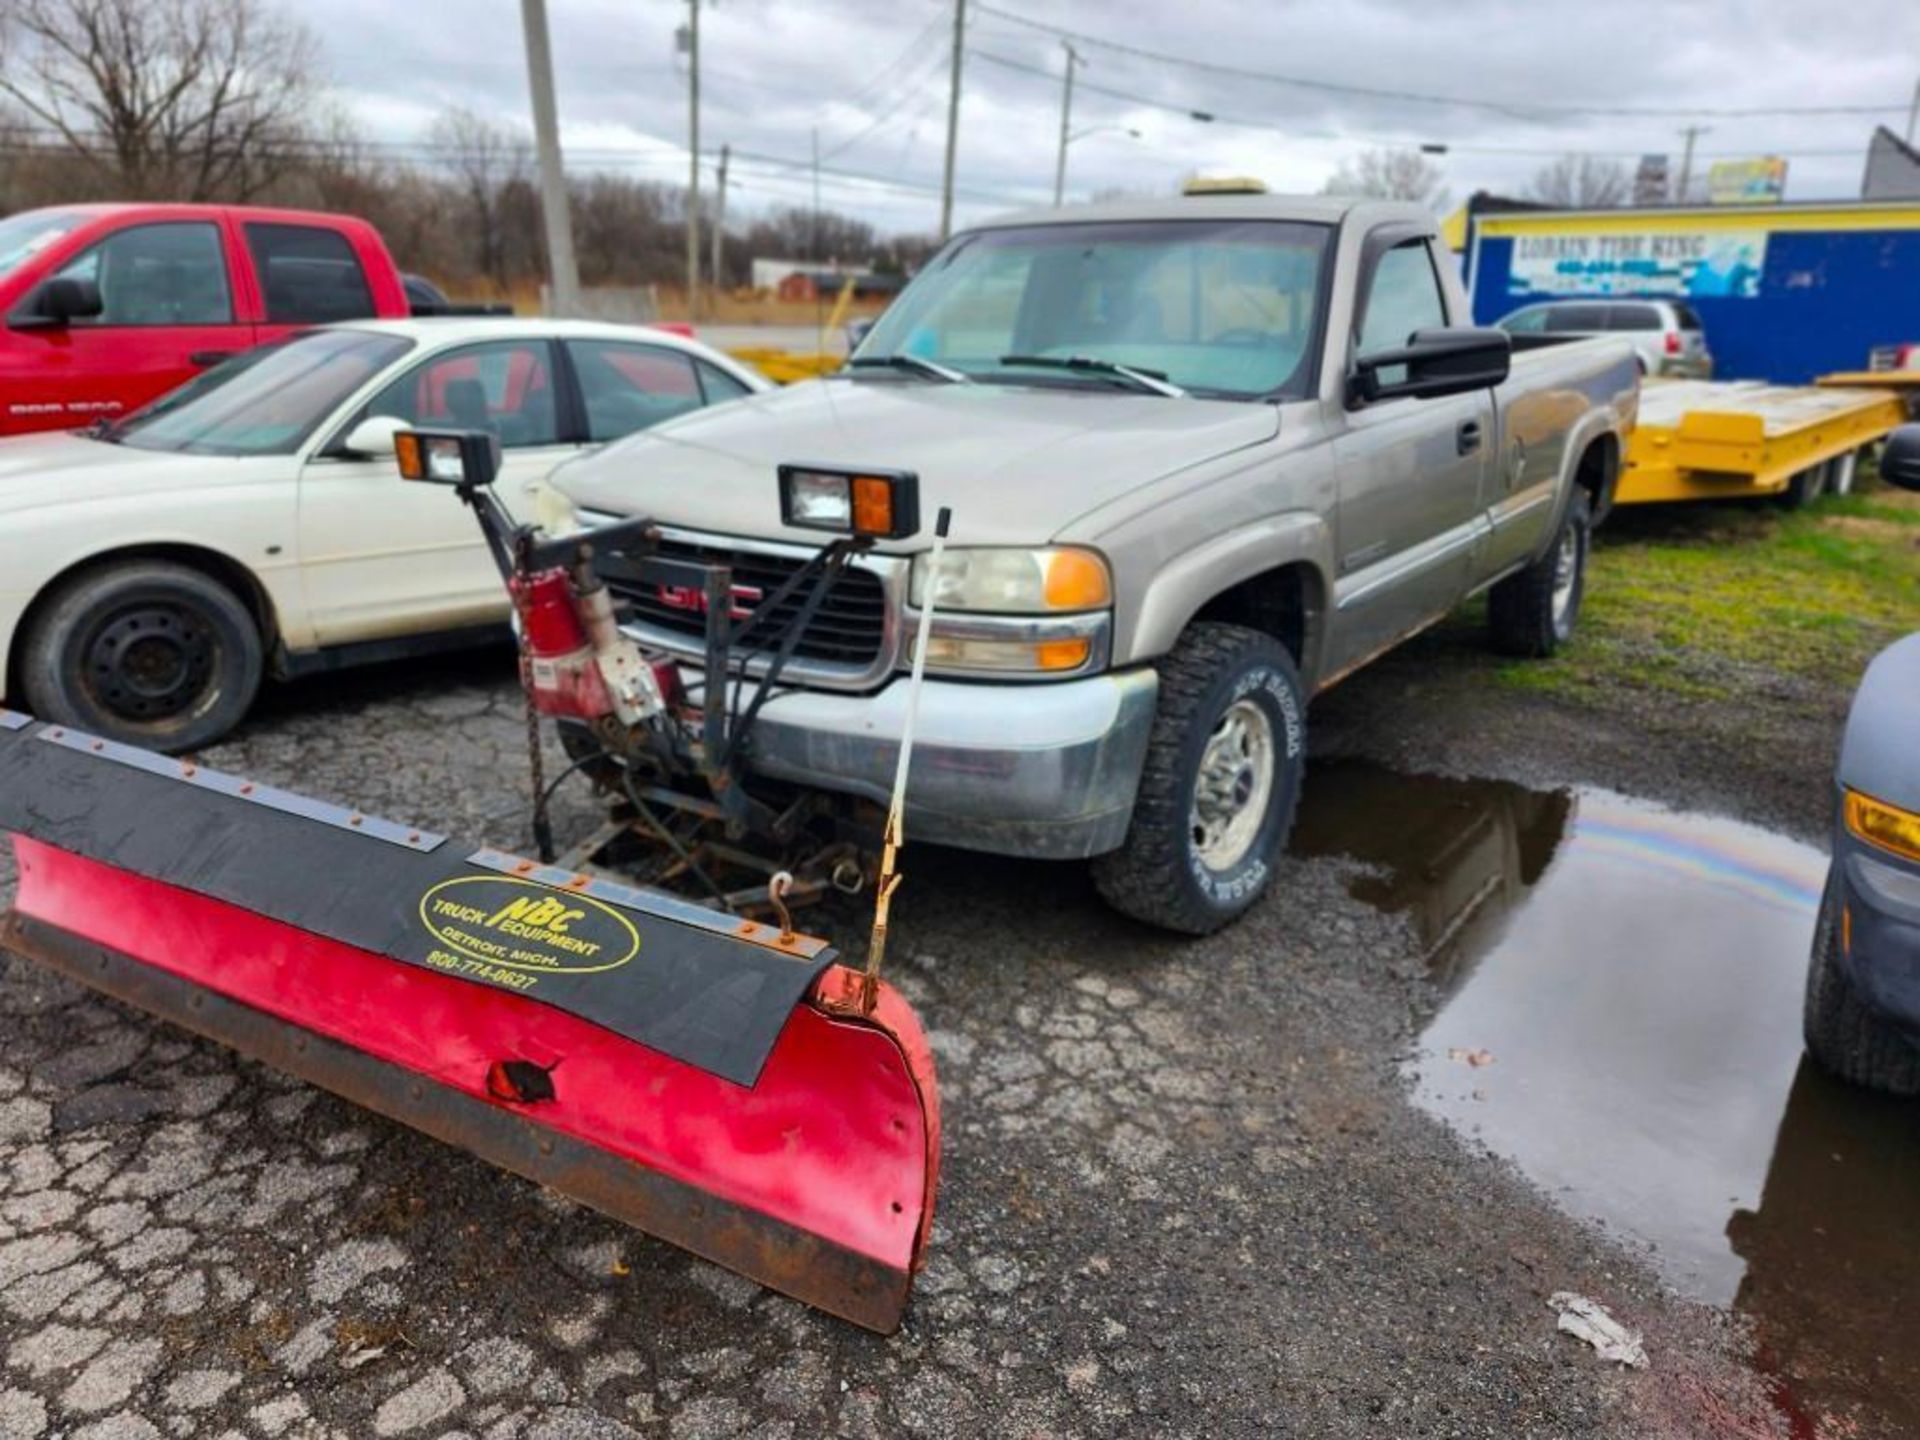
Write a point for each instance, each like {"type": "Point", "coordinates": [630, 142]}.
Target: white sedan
{"type": "Point", "coordinates": [152, 571]}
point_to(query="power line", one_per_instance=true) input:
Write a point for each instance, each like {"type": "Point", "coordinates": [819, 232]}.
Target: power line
{"type": "Point", "coordinates": [1517, 109]}
{"type": "Point", "coordinates": [1298, 133]}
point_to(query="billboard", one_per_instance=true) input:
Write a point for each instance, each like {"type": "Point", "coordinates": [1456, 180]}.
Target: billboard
{"type": "Point", "coordinates": [1761, 181]}
{"type": "Point", "coordinates": [1676, 263]}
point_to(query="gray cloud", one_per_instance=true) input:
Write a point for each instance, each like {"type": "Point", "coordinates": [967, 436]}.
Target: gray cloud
{"type": "Point", "coordinates": [871, 78]}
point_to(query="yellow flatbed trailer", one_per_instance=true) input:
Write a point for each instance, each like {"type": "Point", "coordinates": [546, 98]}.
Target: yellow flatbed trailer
{"type": "Point", "coordinates": [1727, 440]}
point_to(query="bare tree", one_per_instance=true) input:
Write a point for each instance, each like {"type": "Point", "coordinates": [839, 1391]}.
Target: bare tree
{"type": "Point", "coordinates": [491, 166]}
{"type": "Point", "coordinates": [1584, 182]}
{"type": "Point", "coordinates": [187, 99]}
{"type": "Point", "coordinates": [1389, 175]}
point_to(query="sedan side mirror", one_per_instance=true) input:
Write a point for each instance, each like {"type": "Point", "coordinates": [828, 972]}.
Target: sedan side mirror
{"type": "Point", "coordinates": [372, 438]}
{"type": "Point", "coordinates": [1438, 362]}
{"type": "Point", "coordinates": [1900, 460]}
{"type": "Point", "coordinates": [60, 302]}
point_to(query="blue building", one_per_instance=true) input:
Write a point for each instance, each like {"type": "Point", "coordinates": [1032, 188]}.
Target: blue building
{"type": "Point", "coordinates": [1784, 292]}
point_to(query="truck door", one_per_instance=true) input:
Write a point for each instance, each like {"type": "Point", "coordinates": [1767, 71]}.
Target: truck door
{"type": "Point", "coordinates": [1410, 509]}
{"type": "Point", "coordinates": [384, 556]}
{"type": "Point", "coordinates": [307, 275]}
{"type": "Point", "coordinates": [167, 312]}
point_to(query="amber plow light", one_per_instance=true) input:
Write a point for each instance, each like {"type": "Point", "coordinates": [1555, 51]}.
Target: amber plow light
{"type": "Point", "coordinates": [1884, 825]}
{"type": "Point", "coordinates": [872, 504]}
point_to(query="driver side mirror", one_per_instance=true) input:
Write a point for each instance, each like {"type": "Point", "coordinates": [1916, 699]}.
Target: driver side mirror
{"type": "Point", "coordinates": [60, 302]}
{"type": "Point", "coordinates": [1900, 460]}
{"type": "Point", "coordinates": [372, 438]}
{"type": "Point", "coordinates": [1449, 361]}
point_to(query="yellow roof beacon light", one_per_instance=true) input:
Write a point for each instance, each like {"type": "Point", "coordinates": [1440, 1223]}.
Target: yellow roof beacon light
{"type": "Point", "coordinates": [1224, 185]}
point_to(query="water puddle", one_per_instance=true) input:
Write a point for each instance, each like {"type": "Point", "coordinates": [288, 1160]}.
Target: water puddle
{"type": "Point", "coordinates": [1621, 1019]}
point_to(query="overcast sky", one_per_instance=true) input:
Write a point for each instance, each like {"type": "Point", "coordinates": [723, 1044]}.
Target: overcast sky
{"type": "Point", "coordinates": [871, 77]}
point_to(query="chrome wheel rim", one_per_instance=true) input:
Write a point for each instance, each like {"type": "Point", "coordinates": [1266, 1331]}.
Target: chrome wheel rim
{"type": "Point", "coordinates": [1566, 575]}
{"type": "Point", "coordinates": [1234, 786]}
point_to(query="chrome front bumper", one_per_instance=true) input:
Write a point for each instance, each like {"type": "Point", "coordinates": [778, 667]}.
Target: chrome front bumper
{"type": "Point", "coordinates": [1045, 770]}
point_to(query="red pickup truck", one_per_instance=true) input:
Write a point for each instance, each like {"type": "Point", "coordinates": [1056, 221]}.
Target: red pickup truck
{"type": "Point", "coordinates": [108, 306]}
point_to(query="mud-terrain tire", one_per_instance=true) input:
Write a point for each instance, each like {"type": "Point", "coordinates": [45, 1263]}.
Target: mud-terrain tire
{"type": "Point", "coordinates": [1844, 1036]}
{"type": "Point", "coordinates": [1232, 717]}
{"type": "Point", "coordinates": [148, 652]}
{"type": "Point", "coordinates": [1532, 613]}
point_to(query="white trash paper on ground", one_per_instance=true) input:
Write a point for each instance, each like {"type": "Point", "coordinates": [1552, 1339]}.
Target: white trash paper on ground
{"type": "Point", "coordinates": [1586, 1320]}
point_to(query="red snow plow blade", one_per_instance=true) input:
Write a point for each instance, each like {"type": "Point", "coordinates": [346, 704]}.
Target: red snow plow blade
{"type": "Point", "coordinates": [697, 1076]}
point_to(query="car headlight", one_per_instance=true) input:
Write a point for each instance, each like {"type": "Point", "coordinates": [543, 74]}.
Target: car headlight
{"type": "Point", "coordinates": [1016, 582]}
{"type": "Point", "coordinates": [1884, 825]}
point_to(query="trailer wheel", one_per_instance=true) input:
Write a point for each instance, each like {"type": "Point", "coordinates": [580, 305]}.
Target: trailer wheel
{"type": "Point", "coordinates": [1845, 1037]}
{"type": "Point", "coordinates": [1220, 784]}
{"type": "Point", "coordinates": [1532, 614]}
{"type": "Point", "coordinates": [1805, 488]}
{"type": "Point", "coordinates": [148, 652]}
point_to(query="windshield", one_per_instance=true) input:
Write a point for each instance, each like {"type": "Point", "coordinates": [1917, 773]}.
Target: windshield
{"type": "Point", "coordinates": [1218, 307]}
{"type": "Point", "coordinates": [266, 401]}
{"type": "Point", "coordinates": [26, 235]}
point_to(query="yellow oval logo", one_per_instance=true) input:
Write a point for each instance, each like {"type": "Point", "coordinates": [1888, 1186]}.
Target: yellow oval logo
{"type": "Point", "coordinates": [523, 925]}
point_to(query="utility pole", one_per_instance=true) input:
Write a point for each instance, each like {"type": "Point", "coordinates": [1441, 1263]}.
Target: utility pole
{"type": "Point", "coordinates": [1692, 133]}
{"type": "Point", "coordinates": [813, 229]}
{"type": "Point", "coordinates": [563, 274]}
{"type": "Point", "coordinates": [719, 215]}
{"type": "Point", "coordinates": [1913, 112]}
{"type": "Point", "coordinates": [1066, 119]}
{"type": "Point", "coordinates": [953, 117]}
{"type": "Point", "coordinates": [693, 160]}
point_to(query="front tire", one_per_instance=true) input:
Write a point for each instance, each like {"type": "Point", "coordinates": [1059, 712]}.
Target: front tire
{"type": "Point", "coordinates": [1220, 784]}
{"type": "Point", "coordinates": [1844, 1036]}
{"type": "Point", "coordinates": [147, 652]}
{"type": "Point", "coordinates": [1532, 614]}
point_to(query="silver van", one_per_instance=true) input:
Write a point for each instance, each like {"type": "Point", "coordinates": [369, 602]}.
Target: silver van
{"type": "Point", "coordinates": [1665, 334]}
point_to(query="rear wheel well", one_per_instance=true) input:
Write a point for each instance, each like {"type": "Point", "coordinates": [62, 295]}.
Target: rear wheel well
{"type": "Point", "coordinates": [223, 568]}
{"type": "Point", "coordinates": [1285, 602]}
{"type": "Point", "coordinates": [1598, 471]}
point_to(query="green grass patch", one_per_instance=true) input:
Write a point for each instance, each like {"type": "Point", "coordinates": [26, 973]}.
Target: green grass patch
{"type": "Point", "coordinates": [1723, 601]}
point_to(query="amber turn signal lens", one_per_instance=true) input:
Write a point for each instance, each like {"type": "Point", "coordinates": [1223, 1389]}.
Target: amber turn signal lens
{"type": "Point", "coordinates": [1061, 654]}
{"type": "Point", "coordinates": [872, 505]}
{"type": "Point", "coordinates": [1887, 826]}
{"type": "Point", "coordinates": [1077, 580]}
{"type": "Point", "coordinates": [408, 452]}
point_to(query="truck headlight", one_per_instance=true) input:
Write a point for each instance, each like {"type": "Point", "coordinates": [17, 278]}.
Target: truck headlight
{"type": "Point", "coordinates": [1016, 582]}
{"type": "Point", "coordinates": [1884, 825]}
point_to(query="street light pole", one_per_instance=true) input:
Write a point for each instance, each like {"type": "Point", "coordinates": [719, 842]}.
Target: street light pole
{"type": "Point", "coordinates": [953, 117]}
{"type": "Point", "coordinates": [563, 274]}
{"type": "Point", "coordinates": [1066, 119]}
{"type": "Point", "coordinates": [1913, 112]}
{"type": "Point", "coordinates": [693, 160]}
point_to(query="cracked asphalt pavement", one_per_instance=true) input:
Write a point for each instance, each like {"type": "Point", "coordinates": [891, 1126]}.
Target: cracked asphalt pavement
{"type": "Point", "coordinates": [1184, 1192]}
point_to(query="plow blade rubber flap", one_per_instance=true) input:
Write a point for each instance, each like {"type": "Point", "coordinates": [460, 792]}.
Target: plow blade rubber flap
{"type": "Point", "coordinates": [683, 1071]}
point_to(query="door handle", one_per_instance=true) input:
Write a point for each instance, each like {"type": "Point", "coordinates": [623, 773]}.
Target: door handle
{"type": "Point", "coordinates": [1467, 438]}
{"type": "Point", "coordinates": [210, 357]}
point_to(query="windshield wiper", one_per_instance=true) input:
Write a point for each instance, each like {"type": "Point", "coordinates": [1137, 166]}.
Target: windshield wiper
{"type": "Point", "coordinates": [918, 364]}
{"type": "Point", "coordinates": [102, 429]}
{"type": "Point", "coordinates": [1148, 382]}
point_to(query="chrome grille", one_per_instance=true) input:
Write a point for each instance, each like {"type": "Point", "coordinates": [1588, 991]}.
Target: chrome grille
{"type": "Point", "coordinates": [850, 639]}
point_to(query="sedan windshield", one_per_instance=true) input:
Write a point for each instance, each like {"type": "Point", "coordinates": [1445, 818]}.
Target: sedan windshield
{"type": "Point", "coordinates": [266, 401]}
{"type": "Point", "coordinates": [26, 235]}
{"type": "Point", "coordinates": [1213, 307]}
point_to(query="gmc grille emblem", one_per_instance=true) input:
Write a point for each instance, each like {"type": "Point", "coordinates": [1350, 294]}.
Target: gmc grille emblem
{"type": "Point", "coordinates": [688, 597]}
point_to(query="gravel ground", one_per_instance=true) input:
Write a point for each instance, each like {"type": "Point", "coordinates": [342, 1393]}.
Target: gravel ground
{"type": "Point", "coordinates": [1184, 1192]}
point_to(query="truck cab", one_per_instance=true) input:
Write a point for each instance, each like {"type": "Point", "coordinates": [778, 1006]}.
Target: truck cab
{"type": "Point", "coordinates": [106, 307]}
